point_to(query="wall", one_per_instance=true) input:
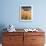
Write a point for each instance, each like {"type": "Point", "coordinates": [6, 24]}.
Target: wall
{"type": "Point", "coordinates": [9, 13]}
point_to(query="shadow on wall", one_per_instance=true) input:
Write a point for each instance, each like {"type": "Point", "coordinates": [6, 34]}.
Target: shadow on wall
{"type": "Point", "coordinates": [2, 26]}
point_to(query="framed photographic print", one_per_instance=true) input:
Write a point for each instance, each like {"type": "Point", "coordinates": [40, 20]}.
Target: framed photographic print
{"type": "Point", "coordinates": [26, 13]}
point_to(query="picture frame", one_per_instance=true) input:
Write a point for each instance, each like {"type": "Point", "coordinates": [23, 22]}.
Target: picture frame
{"type": "Point", "coordinates": [26, 13]}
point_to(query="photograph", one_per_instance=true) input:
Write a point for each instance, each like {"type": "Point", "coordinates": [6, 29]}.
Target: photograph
{"type": "Point", "coordinates": [26, 13]}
